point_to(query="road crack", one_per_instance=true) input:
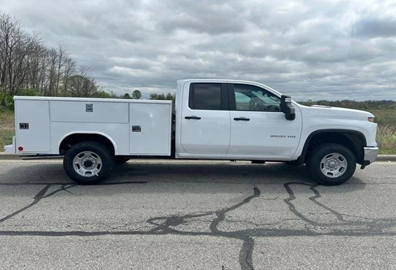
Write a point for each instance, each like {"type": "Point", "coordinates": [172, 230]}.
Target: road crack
{"type": "Point", "coordinates": [371, 226]}
{"type": "Point", "coordinates": [163, 226]}
{"type": "Point", "coordinates": [36, 200]}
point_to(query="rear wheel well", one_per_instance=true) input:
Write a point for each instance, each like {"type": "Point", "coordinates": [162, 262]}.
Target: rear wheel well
{"type": "Point", "coordinates": [354, 141]}
{"type": "Point", "coordinates": [73, 139]}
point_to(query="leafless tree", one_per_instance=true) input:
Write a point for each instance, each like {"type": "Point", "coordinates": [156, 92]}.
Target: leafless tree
{"type": "Point", "coordinates": [68, 71]}
{"type": "Point", "coordinates": [60, 65]}
{"type": "Point", "coordinates": [11, 40]}
{"type": "Point", "coordinates": [26, 63]}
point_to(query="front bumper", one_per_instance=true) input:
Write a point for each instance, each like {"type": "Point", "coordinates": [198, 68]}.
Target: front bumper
{"type": "Point", "coordinates": [370, 154]}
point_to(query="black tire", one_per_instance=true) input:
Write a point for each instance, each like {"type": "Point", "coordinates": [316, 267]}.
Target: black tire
{"type": "Point", "coordinates": [315, 165]}
{"type": "Point", "coordinates": [98, 150]}
{"type": "Point", "coordinates": [120, 160]}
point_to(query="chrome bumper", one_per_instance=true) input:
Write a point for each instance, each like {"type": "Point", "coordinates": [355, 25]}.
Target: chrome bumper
{"type": "Point", "coordinates": [370, 154]}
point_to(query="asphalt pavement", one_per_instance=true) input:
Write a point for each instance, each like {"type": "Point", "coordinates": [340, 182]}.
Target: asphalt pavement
{"type": "Point", "coordinates": [155, 214]}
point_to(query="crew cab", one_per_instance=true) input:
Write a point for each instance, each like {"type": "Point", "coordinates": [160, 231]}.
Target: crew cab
{"type": "Point", "coordinates": [212, 119]}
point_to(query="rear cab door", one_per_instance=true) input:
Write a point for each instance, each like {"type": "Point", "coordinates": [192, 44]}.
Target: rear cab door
{"type": "Point", "coordinates": [205, 127]}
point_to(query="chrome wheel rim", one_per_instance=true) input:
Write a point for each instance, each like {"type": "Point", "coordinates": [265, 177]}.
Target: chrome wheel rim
{"type": "Point", "coordinates": [87, 164]}
{"type": "Point", "coordinates": [333, 165]}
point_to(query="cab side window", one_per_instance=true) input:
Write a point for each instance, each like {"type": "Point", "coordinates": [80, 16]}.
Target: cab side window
{"type": "Point", "coordinates": [205, 96]}
{"type": "Point", "coordinates": [253, 98]}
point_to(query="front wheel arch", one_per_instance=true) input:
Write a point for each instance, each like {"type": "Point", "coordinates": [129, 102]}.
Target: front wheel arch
{"type": "Point", "coordinates": [352, 139]}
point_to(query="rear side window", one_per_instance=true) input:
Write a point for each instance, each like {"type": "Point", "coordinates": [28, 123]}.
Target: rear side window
{"type": "Point", "coordinates": [205, 96]}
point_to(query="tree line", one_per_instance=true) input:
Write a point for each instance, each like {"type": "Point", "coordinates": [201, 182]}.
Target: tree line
{"type": "Point", "coordinates": [28, 66]}
{"type": "Point", "coordinates": [168, 96]}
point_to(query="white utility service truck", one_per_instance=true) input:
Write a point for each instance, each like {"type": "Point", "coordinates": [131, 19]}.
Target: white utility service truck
{"type": "Point", "coordinates": [213, 119]}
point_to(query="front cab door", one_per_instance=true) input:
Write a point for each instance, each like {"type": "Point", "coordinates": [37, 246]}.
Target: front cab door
{"type": "Point", "coordinates": [259, 130]}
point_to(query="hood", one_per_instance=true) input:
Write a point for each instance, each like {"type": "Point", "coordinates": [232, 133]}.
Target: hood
{"type": "Point", "coordinates": [327, 111]}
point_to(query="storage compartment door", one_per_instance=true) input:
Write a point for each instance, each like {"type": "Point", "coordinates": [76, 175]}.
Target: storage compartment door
{"type": "Point", "coordinates": [150, 129]}
{"type": "Point", "coordinates": [32, 126]}
{"type": "Point", "coordinates": [89, 112]}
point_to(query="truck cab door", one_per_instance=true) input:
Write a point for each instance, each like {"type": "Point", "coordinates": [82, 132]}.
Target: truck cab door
{"type": "Point", "coordinates": [205, 121]}
{"type": "Point", "coordinates": [259, 130]}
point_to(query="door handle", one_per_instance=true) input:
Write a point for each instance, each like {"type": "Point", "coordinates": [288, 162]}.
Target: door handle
{"type": "Point", "coordinates": [242, 119]}
{"type": "Point", "coordinates": [192, 118]}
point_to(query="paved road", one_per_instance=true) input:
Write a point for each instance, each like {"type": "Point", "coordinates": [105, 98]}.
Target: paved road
{"type": "Point", "coordinates": [196, 215]}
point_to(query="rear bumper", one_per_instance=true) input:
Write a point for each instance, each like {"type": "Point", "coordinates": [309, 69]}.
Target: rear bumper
{"type": "Point", "coordinates": [370, 154]}
{"type": "Point", "coordinates": [10, 149]}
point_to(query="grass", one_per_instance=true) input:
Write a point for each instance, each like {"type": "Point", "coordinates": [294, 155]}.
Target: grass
{"type": "Point", "coordinates": [385, 117]}
{"type": "Point", "coordinates": [386, 133]}
{"type": "Point", "coordinates": [7, 128]}
{"type": "Point", "coordinates": [386, 139]}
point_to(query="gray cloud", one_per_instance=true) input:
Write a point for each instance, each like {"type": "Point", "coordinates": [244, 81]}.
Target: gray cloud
{"type": "Point", "coordinates": [212, 17]}
{"type": "Point", "coordinates": [375, 27]}
{"type": "Point", "coordinates": [308, 49]}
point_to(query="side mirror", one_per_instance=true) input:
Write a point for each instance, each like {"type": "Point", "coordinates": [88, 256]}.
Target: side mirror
{"type": "Point", "coordinates": [287, 108]}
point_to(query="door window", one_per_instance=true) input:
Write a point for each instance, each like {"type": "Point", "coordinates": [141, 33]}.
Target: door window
{"type": "Point", "coordinates": [253, 98]}
{"type": "Point", "coordinates": [205, 96]}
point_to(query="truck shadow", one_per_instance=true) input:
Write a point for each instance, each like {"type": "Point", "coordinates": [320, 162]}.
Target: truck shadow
{"type": "Point", "coordinates": [219, 172]}
{"type": "Point", "coordinates": [273, 174]}
{"type": "Point", "coordinates": [141, 172]}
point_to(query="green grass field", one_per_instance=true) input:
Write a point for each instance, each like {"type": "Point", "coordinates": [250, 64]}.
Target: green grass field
{"type": "Point", "coordinates": [7, 128]}
{"type": "Point", "coordinates": [386, 134]}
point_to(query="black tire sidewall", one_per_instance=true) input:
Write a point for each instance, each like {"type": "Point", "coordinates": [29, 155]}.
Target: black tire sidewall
{"type": "Point", "coordinates": [320, 152]}
{"type": "Point", "coordinates": [101, 150]}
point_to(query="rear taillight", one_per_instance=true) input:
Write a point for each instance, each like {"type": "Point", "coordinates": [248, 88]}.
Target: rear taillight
{"type": "Point", "coordinates": [20, 148]}
{"type": "Point", "coordinates": [370, 119]}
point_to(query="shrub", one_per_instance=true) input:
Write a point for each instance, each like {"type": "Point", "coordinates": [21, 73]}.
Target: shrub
{"type": "Point", "coordinates": [386, 139]}
{"type": "Point", "coordinates": [6, 101]}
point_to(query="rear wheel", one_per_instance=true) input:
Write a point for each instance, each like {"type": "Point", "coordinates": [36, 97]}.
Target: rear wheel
{"type": "Point", "coordinates": [88, 162]}
{"type": "Point", "coordinates": [331, 164]}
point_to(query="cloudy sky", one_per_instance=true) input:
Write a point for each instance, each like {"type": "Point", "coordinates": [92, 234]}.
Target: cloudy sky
{"type": "Point", "coordinates": [308, 49]}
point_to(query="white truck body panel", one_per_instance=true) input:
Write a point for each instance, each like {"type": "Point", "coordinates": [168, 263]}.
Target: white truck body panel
{"type": "Point", "coordinates": [75, 112]}
{"type": "Point", "coordinates": [271, 136]}
{"type": "Point", "coordinates": [36, 138]}
{"type": "Point", "coordinates": [210, 136]}
{"type": "Point", "coordinates": [52, 119]}
{"type": "Point", "coordinates": [323, 118]}
{"type": "Point", "coordinates": [155, 136]}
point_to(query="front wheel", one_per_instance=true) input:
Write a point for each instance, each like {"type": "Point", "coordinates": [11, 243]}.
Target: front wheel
{"type": "Point", "coordinates": [88, 162]}
{"type": "Point", "coordinates": [331, 164]}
